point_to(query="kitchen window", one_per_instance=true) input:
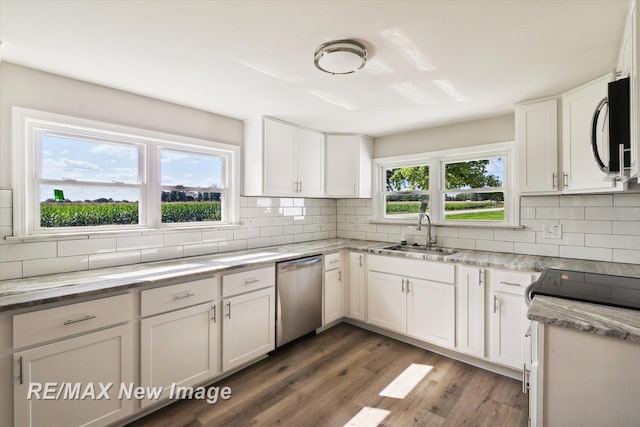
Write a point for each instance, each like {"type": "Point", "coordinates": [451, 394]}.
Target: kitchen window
{"type": "Point", "coordinates": [82, 176]}
{"type": "Point", "coordinates": [471, 186]}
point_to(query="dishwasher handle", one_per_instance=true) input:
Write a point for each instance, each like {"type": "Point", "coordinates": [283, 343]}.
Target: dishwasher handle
{"type": "Point", "coordinates": [297, 263]}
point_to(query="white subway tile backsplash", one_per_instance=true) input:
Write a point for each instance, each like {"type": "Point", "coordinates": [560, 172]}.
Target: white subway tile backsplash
{"type": "Point", "coordinates": [523, 236]}
{"type": "Point", "coordinates": [528, 212]}
{"type": "Point", "coordinates": [540, 201]}
{"type": "Point", "coordinates": [626, 255]}
{"type": "Point", "coordinates": [39, 267]}
{"type": "Point", "coordinates": [581, 252]}
{"type": "Point", "coordinates": [302, 237]}
{"type": "Point", "coordinates": [270, 231]}
{"type": "Point", "coordinates": [537, 249]}
{"type": "Point", "coordinates": [113, 259]}
{"type": "Point", "coordinates": [86, 246]}
{"type": "Point", "coordinates": [158, 254]}
{"type": "Point", "coordinates": [494, 246]}
{"type": "Point", "coordinates": [282, 220]}
{"type": "Point", "coordinates": [246, 233]}
{"type": "Point", "coordinates": [567, 239]}
{"type": "Point", "coordinates": [232, 245]}
{"type": "Point", "coordinates": [27, 251]}
{"type": "Point", "coordinates": [217, 236]}
{"type": "Point", "coordinates": [626, 227]}
{"type": "Point", "coordinates": [6, 217]}
{"type": "Point", "coordinates": [587, 200]}
{"type": "Point", "coordinates": [182, 238]}
{"type": "Point", "coordinates": [127, 243]}
{"type": "Point", "coordinates": [475, 233]}
{"type": "Point", "coordinates": [5, 231]}
{"type": "Point", "coordinates": [614, 213]}
{"type": "Point", "coordinates": [200, 249]}
{"type": "Point", "coordinates": [612, 241]}
{"type": "Point", "coordinates": [537, 224]}
{"type": "Point", "coordinates": [291, 211]}
{"type": "Point", "coordinates": [447, 231]}
{"type": "Point", "coordinates": [260, 242]}
{"type": "Point", "coordinates": [453, 242]}
{"type": "Point", "coordinates": [311, 228]}
{"type": "Point", "coordinates": [380, 237]}
{"type": "Point", "coordinates": [561, 213]}
{"type": "Point", "coordinates": [293, 229]}
{"type": "Point", "coordinates": [10, 270]}
{"type": "Point", "coordinates": [586, 226]}
{"type": "Point", "coordinates": [285, 239]}
{"type": "Point", "coordinates": [626, 199]}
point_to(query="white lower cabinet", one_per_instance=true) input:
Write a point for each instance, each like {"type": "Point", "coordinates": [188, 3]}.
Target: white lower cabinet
{"type": "Point", "coordinates": [508, 344]}
{"type": "Point", "coordinates": [248, 316]}
{"type": "Point", "coordinates": [248, 327]}
{"type": "Point", "coordinates": [470, 310]}
{"type": "Point", "coordinates": [104, 357]}
{"type": "Point", "coordinates": [333, 296]}
{"type": "Point", "coordinates": [179, 348]}
{"type": "Point", "coordinates": [398, 301]}
{"type": "Point", "coordinates": [357, 300]}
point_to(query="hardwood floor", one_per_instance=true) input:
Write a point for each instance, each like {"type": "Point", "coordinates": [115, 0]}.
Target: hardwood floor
{"type": "Point", "coordinates": [326, 379]}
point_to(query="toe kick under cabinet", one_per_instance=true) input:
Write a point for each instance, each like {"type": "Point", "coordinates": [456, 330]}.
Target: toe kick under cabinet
{"type": "Point", "coordinates": [87, 343]}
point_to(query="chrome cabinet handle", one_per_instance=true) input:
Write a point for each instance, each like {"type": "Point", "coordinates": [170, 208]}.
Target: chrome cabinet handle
{"type": "Point", "coordinates": [213, 310]}
{"type": "Point", "coordinates": [21, 371]}
{"type": "Point", "coordinates": [495, 303]}
{"type": "Point", "coordinates": [183, 296]}
{"type": "Point", "coordinates": [360, 260]}
{"type": "Point", "coordinates": [339, 275]}
{"type": "Point", "coordinates": [229, 310]}
{"type": "Point", "coordinates": [565, 180]}
{"type": "Point", "coordinates": [333, 261]}
{"type": "Point", "coordinates": [408, 287]}
{"type": "Point", "coordinates": [525, 379]}
{"type": "Point", "coordinates": [82, 319]}
{"type": "Point", "coordinates": [403, 279]}
{"type": "Point", "coordinates": [510, 283]}
{"type": "Point", "coordinates": [251, 281]}
{"type": "Point", "coordinates": [480, 277]}
{"type": "Point", "coordinates": [554, 184]}
{"type": "Point", "coordinates": [301, 186]}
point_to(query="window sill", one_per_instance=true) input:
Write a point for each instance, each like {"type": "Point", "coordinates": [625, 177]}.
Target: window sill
{"type": "Point", "coordinates": [450, 224]}
{"type": "Point", "coordinates": [130, 232]}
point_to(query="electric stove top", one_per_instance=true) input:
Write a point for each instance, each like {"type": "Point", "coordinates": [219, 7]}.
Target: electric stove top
{"type": "Point", "coordinates": [617, 291]}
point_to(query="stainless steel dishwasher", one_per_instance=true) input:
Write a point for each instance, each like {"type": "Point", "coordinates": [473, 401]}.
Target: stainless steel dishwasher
{"type": "Point", "coordinates": [298, 298]}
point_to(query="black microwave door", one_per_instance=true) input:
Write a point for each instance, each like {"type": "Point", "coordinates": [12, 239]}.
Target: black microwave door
{"type": "Point", "coordinates": [619, 123]}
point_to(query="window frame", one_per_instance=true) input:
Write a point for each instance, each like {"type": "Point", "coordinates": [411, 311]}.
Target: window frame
{"type": "Point", "coordinates": [28, 127]}
{"type": "Point", "coordinates": [436, 161]}
{"type": "Point", "coordinates": [385, 193]}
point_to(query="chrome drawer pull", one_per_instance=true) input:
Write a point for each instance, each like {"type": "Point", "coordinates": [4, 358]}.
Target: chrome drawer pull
{"type": "Point", "coordinates": [251, 281]}
{"type": "Point", "coordinates": [82, 319]}
{"type": "Point", "coordinates": [511, 283]}
{"type": "Point", "coordinates": [333, 261]}
{"type": "Point", "coordinates": [21, 371]}
{"type": "Point", "coordinates": [183, 296]}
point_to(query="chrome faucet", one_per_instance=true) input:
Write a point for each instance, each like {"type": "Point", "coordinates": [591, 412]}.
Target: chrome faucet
{"type": "Point", "coordinates": [423, 213]}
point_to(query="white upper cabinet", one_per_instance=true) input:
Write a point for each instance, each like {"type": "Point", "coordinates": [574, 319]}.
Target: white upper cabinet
{"type": "Point", "coordinates": [348, 166]}
{"type": "Point", "coordinates": [281, 159]}
{"type": "Point", "coordinates": [580, 170]}
{"type": "Point", "coordinates": [537, 146]}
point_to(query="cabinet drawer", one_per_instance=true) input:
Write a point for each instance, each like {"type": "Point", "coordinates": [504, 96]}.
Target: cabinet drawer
{"type": "Point", "coordinates": [249, 280]}
{"type": "Point", "coordinates": [332, 261]}
{"type": "Point", "coordinates": [510, 281]}
{"type": "Point", "coordinates": [167, 298]}
{"type": "Point", "coordinates": [421, 269]}
{"type": "Point", "coordinates": [58, 322]}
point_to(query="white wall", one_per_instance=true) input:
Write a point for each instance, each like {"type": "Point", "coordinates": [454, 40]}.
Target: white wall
{"type": "Point", "coordinates": [466, 134]}
{"type": "Point", "coordinates": [265, 221]}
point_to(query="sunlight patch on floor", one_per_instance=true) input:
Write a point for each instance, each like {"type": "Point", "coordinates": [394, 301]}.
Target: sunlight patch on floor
{"type": "Point", "coordinates": [400, 387]}
{"type": "Point", "coordinates": [368, 417]}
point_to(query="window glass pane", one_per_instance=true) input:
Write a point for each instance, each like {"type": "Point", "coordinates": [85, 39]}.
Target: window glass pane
{"type": "Point", "coordinates": [474, 206]}
{"type": "Point", "coordinates": [475, 173]}
{"type": "Point", "coordinates": [404, 206]}
{"type": "Point", "coordinates": [191, 206]}
{"type": "Point", "coordinates": [190, 170]}
{"type": "Point", "coordinates": [408, 178]}
{"type": "Point", "coordinates": [73, 206]}
{"type": "Point", "coordinates": [76, 159]}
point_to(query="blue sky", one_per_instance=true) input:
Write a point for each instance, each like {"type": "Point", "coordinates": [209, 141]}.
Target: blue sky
{"type": "Point", "coordinates": [74, 159]}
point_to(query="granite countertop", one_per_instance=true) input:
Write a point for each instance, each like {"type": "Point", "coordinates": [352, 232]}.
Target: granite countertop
{"type": "Point", "coordinates": [31, 291]}
{"type": "Point", "coordinates": [598, 319]}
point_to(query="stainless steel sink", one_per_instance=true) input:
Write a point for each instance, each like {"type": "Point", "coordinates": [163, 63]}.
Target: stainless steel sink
{"type": "Point", "coordinates": [421, 249]}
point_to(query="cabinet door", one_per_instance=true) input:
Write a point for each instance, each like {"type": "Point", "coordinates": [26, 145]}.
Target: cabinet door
{"type": "Point", "coordinates": [333, 296]}
{"type": "Point", "coordinates": [356, 286]}
{"type": "Point", "coordinates": [537, 146]}
{"type": "Point", "coordinates": [509, 324]}
{"type": "Point", "coordinates": [179, 348]}
{"type": "Point", "coordinates": [248, 327]}
{"type": "Point", "coordinates": [310, 162]}
{"type": "Point", "coordinates": [471, 303]}
{"type": "Point", "coordinates": [342, 165]}
{"type": "Point", "coordinates": [99, 357]}
{"type": "Point", "coordinates": [279, 158]}
{"type": "Point", "coordinates": [386, 301]}
{"type": "Point", "coordinates": [431, 311]}
{"type": "Point", "coordinates": [581, 169]}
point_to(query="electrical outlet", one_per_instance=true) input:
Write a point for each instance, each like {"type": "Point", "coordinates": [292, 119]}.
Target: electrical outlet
{"type": "Point", "coordinates": [552, 231]}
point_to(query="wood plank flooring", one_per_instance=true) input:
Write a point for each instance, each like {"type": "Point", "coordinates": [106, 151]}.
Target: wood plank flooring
{"type": "Point", "coordinates": [326, 379]}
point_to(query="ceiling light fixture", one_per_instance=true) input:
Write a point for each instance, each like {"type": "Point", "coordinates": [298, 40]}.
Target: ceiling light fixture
{"type": "Point", "coordinates": [340, 56]}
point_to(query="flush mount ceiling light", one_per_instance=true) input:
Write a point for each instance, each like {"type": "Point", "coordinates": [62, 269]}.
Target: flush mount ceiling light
{"type": "Point", "coordinates": [340, 56]}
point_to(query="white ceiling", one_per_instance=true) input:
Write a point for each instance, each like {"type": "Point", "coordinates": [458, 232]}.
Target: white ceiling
{"type": "Point", "coordinates": [432, 62]}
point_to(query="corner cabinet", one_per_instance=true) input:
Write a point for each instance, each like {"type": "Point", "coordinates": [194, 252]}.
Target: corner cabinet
{"type": "Point", "coordinates": [281, 159]}
{"type": "Point", "coordinates": [348, 166]}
